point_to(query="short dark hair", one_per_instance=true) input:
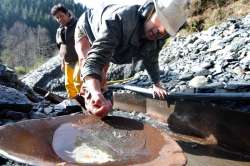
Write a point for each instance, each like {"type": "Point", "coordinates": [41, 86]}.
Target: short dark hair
{"type": "Point", "coordinates": [57, 8]}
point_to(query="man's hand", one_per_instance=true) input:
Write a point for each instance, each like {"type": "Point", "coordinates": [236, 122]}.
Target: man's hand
{"type": "Point", "coordinates": [99, 105]}
{"type": "Point", "coordinates": [159, 91]}
{"type": "Point", "coordinates": [95, 102]}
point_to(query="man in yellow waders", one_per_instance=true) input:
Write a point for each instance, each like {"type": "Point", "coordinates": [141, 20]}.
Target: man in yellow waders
{"type": "Point", "coordinates": [66, 44]}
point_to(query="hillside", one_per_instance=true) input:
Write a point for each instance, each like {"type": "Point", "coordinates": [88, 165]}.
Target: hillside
{"type": "Point", "coordinates": [206, 13]}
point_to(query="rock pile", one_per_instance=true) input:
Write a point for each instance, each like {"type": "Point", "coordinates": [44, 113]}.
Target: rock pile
{"type": "Point", "coordinates": [218, 57]}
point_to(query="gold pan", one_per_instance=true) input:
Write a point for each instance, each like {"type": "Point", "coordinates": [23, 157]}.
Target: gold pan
{"type": "Point", "coordinates": [73, 140]}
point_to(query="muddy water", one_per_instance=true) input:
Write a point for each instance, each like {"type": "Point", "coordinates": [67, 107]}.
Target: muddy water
{"type": "Point", "coordinates": [203, 152]}
{"type": "Point", "coordinates": [200, 152]}
{"type": "Point", "coordinates": [206, 156]}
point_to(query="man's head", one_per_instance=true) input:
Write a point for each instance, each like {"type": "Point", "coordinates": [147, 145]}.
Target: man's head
{"type": "Point", "coordinates": [153, 28]}
{"type": "Point", "coordinates": [168, 17]}
{"type": "Point", "coordinates": [61, 14]}
{"type": "Point", "coordinates": [172, 13]}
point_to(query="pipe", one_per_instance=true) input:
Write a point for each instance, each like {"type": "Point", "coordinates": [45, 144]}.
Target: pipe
{"type": "Point", "coordinates": [235, 96]}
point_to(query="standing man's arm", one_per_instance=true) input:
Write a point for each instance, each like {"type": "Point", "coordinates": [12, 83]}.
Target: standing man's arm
{"type": "Point", "coordinates": [61, 47]}
{"type": "Point", "coordinates": [62, 51]}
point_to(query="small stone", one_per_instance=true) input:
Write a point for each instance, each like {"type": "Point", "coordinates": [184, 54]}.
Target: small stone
{"type": "Point", "coordinates": [48, 110]}
{"type": "Point", "coordinates": [37, 115]}
{"type": "Point", "coordinates": [238, 70]}
{"type": "Point", "coordinates": [247, 77]}
{"type": "Point", "coordinates": [186, 76]}
{"type": "Point", "coordinates": [198, 81]}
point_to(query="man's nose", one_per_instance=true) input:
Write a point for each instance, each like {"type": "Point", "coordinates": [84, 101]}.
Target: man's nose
{"type": "Point", "coordinates": [161, 30]}
{"type": "Point", "coordinates": [59, 19]}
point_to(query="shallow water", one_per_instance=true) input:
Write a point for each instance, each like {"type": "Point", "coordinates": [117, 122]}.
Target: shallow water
{"type": "Point", "coordinates": [206, 156]}
{"type": "Point", "coordinates": [90, 141]}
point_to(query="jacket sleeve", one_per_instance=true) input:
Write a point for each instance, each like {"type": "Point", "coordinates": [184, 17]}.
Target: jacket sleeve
{"type": "Point", "coordinates": [102, 48]}
{"type": "Point", "coordinates": [151, 62]}
{"type": "Point", "coordinates": [152, 66]}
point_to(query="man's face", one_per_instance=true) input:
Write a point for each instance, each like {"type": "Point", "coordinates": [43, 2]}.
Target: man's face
{"type": "Point", "coordinates": [154, 29]}
{"type": "Point", "coordinates": [62, 18]}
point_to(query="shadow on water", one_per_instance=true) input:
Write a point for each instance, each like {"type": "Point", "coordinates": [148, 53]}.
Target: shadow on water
{"type": "Point", "coordinates": [217, 134]}
{"type": "Point", "coordinates": [227, 127]}
{"type": "Point", "coordinates": [123, 123]}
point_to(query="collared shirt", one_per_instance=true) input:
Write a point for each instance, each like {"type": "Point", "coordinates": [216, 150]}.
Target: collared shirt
{"type": "Point", "coordinates": [116, 35]}
{"type": "Point", "coordinates": [66, 43]}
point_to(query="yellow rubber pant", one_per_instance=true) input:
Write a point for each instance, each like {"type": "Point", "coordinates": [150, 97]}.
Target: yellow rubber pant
{"type": "Point", "coordinates": [72, 80]}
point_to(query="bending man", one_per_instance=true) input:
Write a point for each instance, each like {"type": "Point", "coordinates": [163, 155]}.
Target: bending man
{"type": "Point", "coordinates": [122, 34]}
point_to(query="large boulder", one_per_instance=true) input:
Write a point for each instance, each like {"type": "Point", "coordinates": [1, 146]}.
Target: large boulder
{"type": "Point", "coordinates": [14, 100]}
{"type": "Point", "coordinates": [48, 76]}
{"type": "Point", "coordinates": [9, 78]}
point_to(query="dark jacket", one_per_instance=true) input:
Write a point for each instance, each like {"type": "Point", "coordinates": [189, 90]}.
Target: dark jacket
{"type": "Point", "coordinates": [66, 43]}
{"type": "Point", "coordinates": [116, 34]}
